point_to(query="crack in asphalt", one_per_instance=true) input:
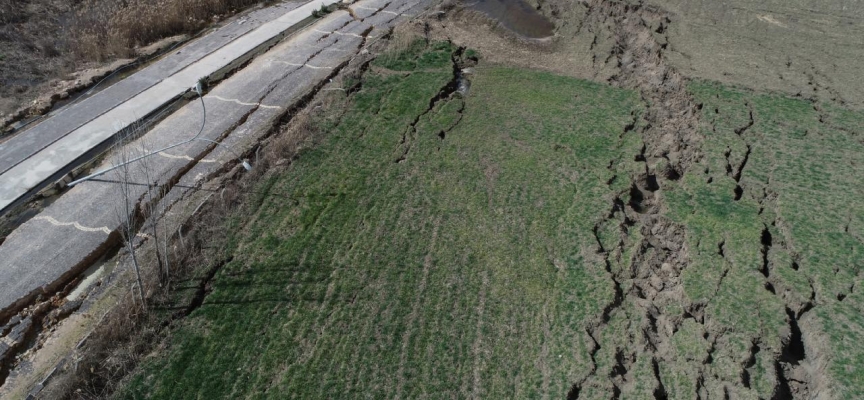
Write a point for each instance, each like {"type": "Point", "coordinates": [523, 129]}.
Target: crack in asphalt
{"type": "Point", "coordinates": [237, 101]}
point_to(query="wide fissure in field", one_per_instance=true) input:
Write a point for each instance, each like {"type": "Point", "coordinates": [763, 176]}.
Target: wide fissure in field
{"type": "Point", "coordinates": [410, 262]}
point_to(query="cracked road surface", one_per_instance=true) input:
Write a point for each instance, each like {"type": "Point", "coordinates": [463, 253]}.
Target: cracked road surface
{"type": "Point", "coordinates": [49, 250]}
{"type": "Point", "coordinates": [45, 152]}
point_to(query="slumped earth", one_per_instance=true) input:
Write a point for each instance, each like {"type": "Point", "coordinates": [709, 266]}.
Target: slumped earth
{"type": "Point", "coordinates": [517, 242]}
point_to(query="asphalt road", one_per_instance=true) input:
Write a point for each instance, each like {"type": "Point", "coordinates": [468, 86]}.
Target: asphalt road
{"type": "Point", "coordinates": [56, 245]}
{"type": "Point", "coordinates": [36, 156]}
{"type": "Point", "coordinates": [64, 121]}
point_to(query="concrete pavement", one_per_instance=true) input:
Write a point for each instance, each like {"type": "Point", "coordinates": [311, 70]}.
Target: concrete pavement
{"type": "Point", "coordinates": [41, 154]}
{"type": "Point", "coordinates": [63, 121]}
{"type": "Point", "coordinates": [56, 245]}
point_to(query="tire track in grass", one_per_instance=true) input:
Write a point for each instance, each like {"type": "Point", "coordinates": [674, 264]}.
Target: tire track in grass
{"type": "Point", "coordinates": [387, 332]}
{"type": "Point", "coordinates": [377, 286]}
{"type": "Point", "coordinates": [415, 309]}
{"type": "Point", "coordinates": [327, 309]}
{"type": "Point", "coordinates": [345, 369]}
{"type": "Point", "coordinates": [477, 347]}
{"type": "Point", "coordinates": [543, 361]}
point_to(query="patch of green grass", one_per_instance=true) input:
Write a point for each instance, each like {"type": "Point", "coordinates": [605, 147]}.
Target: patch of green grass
{"type": "Point", "coordinates": [472, 54]}
{"type": "Point", "coordinates": [801, 202]}
{"type": "Point", "coordinates": [324, 10]}
{"type": "Point", "coordinates": [453, 258]}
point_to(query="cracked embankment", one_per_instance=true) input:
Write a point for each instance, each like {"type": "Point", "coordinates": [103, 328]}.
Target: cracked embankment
{"type": "Point", "coordinates": [652, 285]}
{"type": "Point", "coordinates": [796, 375]}
{"type": "Point", "coordinates": [652, 282]}
{"type": "Point", "coordinates": [670, 143]}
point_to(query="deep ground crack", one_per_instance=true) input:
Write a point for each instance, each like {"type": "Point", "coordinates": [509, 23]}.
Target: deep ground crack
{"type": "Point", "coordinates": [445, 93]}
{"type": "Point", "coordinates": [670, 138]}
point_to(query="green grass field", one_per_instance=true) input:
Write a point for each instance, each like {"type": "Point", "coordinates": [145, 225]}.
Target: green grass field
{"type": "Point", "coordinates": [453, 246]}
{"type": "Point", "coordinates": [450, 258]}
{"type": "Point", "coordinates": [792, 235]}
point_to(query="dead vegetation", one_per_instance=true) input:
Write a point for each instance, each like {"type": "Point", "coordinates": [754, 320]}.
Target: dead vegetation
{"type": "Point", "coordinates": [43, 41]}
{"type": "Point", "coordinates": [103, 30]}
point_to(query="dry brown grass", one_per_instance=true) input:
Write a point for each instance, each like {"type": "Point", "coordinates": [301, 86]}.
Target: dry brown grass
{"type": "Point", "coordinates": [128, 332]}
{"type": "Point", "coordinates": [43, 41]}
{"type": "Point", "coordinates": [283, 147]}
{"type": "Point", "coordinates": [299, 130]}
{"type": "Point", "coordinates": [401, 39]}
{"type": "Point", "coordinates": [105, 29]}
{"type": "Point", "coordinates": [403, 36]}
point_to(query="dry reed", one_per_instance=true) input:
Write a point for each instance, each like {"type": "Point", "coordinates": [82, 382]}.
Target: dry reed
{"type": "Point", "coordinates": [103, 29]}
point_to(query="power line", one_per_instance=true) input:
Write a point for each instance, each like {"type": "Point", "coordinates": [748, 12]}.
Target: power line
{"type": "Point", "coordinates": [154, 186]}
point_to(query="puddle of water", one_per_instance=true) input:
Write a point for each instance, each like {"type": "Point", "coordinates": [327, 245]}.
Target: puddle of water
{"type": "Point", "coordinates": [516, 16]}
{"type": "Point", "coordinates": [464, 82]}
{"type": "Point", "coordinates": [91, 276]}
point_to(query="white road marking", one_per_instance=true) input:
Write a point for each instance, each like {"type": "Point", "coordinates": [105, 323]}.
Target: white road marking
{"type": "Point", "coordinates": [303, 65]}
{"type": "Point", "coordinates": [77, 226]}
{"type": "Point", "coordinates": [83, 228]}
{"type": "Point", "coordinates": [185, 157]}
{"type": "Point", "coordinates": [213, 96]}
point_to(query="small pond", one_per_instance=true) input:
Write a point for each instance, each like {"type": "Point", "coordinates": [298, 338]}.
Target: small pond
{"type": "Point", "coordinates": [515, 15]}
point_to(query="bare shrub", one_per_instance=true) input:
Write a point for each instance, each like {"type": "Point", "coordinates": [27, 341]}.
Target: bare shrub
{"type": "Point", "coordinates": [105, 29]}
